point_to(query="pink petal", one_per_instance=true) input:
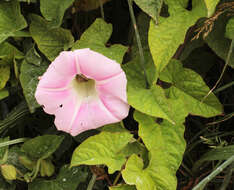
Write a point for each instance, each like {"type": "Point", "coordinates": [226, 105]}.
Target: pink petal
{"type": "Point", "coordinates": [95, 65]}
{"type": "Point", "coordinates": [65, 64]}
{"type": "Point", "coordinates": [60, 72]}
{"type": "Point", "coordinates": [51, 100]}
{"type": "Point", "coordinates": [112, 92]}
{"type": "Point", "coordinates": [80, 106]}
{"type": "Point", "coordinates": [65, 116]}
{"type": "Point", "coordinates": [114, 86]}
{"type": "Point", "coordinates": [91, 116]}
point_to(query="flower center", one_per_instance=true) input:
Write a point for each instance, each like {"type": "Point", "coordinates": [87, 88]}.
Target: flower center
{"type": "Point", "coordinates": [84, 88]}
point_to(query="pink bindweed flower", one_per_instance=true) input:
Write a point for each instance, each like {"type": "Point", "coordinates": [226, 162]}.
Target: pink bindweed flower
{"type": "Point", "coordinates": [84, 90]}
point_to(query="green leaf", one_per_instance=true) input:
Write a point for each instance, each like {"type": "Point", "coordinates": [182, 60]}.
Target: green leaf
{"type": "Point", "coordinates": [133, 148]}
{"type": "Point", "coordinates": [151, 7]}
{"type": "Point", "coordinates": [11, 19]}
{"type": "Point", "coordinates": [42, 147]}
{"type": "Point", "coordinates": [95, 38]}
{"type": "Point", "coordinates": [53, 10]}
{"type": "Point", "coordinates": [29, 79]}
{"type": "Point", "coordinates": [230, 29]}
{"type": "Point", "coordinates": [68, 178]}
{"type": "Point", "coordinates": [165, 155]}
{"type": "Point", "coordinates": [150, 101]}
{"type": "Point", "coordinates": [217, 41]}
{"type": "Point", "coordinates": [8, 50]}
{"type": "Point", "coordinates": [219, 153]}
{"type": "Point", "coordinates": [165, 38]}
{"type": "Point", "coordinates": [103, 148]}
{"type": "Point", "coordinates": [33, 57]}
{"type": "Point", "coordinates": [4, 75]}
{"type": "Point", "coordinates": [3, 94]}
{"type": "Point", "coordinates": [211, 5]}
{"type": "Point", "coordinates": [123, 187]}
{"type": "Point", "coordinates": [112, 128]}
{"type": "Point", "coordinates": [49, 41]}
{"type": "Point", "coordinates": [190, 87]}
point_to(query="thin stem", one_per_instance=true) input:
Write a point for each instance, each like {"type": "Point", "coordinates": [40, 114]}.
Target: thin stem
{"type": "Point", "coordinates": [102, 10]}
{"type": "Point", "coordinates": [224, 87]}
{"type": "Point", "coordinates": [228, 177]}
{"type": "Point", "coordinates": [223, 71]}
{"type": "Point", "coordinates": [138, 39]}
{"type": "Point", "coordinates": [35, 172]}
{"type": "Point", "coordinates": [117, 179]}
{"type": "Point", "coordinates": [16, 141]}
{"type": "Point", "coordinates": [206, 180]}
{"type": "Point", "coordinates": [92, 182]}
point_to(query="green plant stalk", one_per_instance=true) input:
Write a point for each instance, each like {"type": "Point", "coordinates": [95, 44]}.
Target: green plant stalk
{"type": "Point", "coordinates": [138, 39]}
{"type": "Point", "coordinates": [228, 177]}
{"type": "Point", "coordinates": [92, 182]}
{"type": "Point", "coordinates": [207, 179]}
{"type": "Point", "coordinates": [16, 141]}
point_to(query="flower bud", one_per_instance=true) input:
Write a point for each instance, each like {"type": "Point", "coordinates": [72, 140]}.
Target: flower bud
{"type": "Point", "coordinates": [27, 163]}
{"type": "Point", "coordinates": [8, 172]}
{"type": "Point", "coordinates": [47, 168]}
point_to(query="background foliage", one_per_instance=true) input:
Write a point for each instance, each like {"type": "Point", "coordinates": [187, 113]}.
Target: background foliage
{"type": "Point", "coordinates": [178, 57]}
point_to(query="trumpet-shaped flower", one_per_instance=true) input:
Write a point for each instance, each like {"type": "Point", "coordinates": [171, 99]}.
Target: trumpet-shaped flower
{"type": "Point", "coordinates": [84, 90]}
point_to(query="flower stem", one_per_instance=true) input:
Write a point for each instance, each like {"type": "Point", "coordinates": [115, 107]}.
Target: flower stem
{"type": "Point", "coordinates": [202, 184]}
{"type": "Point", "coordinates": [92, 182]}
{"type": "Point", "coordinates": [138, 39]}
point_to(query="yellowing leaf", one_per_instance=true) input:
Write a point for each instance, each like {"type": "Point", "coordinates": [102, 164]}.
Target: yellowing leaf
{"type": "Point", "coordinates": [165, 38]}
{"type": "Point", "coordinates": [4, 75]}
{"type": "Point", "coordinates": [190, 87]}
{"type": "Point", "coordinates": [103, 148]}
{"type": "Point", "coordinates": [166, 146]}
{"type": "Point", "coordinates": [211, 4]}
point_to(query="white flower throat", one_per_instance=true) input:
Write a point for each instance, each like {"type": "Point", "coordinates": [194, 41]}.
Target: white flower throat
{"type": "Point", "coordinates": [84, 88]}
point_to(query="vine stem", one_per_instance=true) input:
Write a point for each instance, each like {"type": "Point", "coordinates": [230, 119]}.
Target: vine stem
{"type": "Point", "coordinates": [102, 10]}
{"type": "Point", "coordinates": [92, 182]}
{"type": "Point", "coordinates": [7, 143]}
{"type": "Point", "coordinates": [35, 172]}
{"type": "Point", "coordinates": [202, 184]}
{"type": "Point", "coordinates": [223, 71]}
{"type": "Point", "coordinates": [117, 179]}
{"type": "Point", "coordinates": [138, 39]}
